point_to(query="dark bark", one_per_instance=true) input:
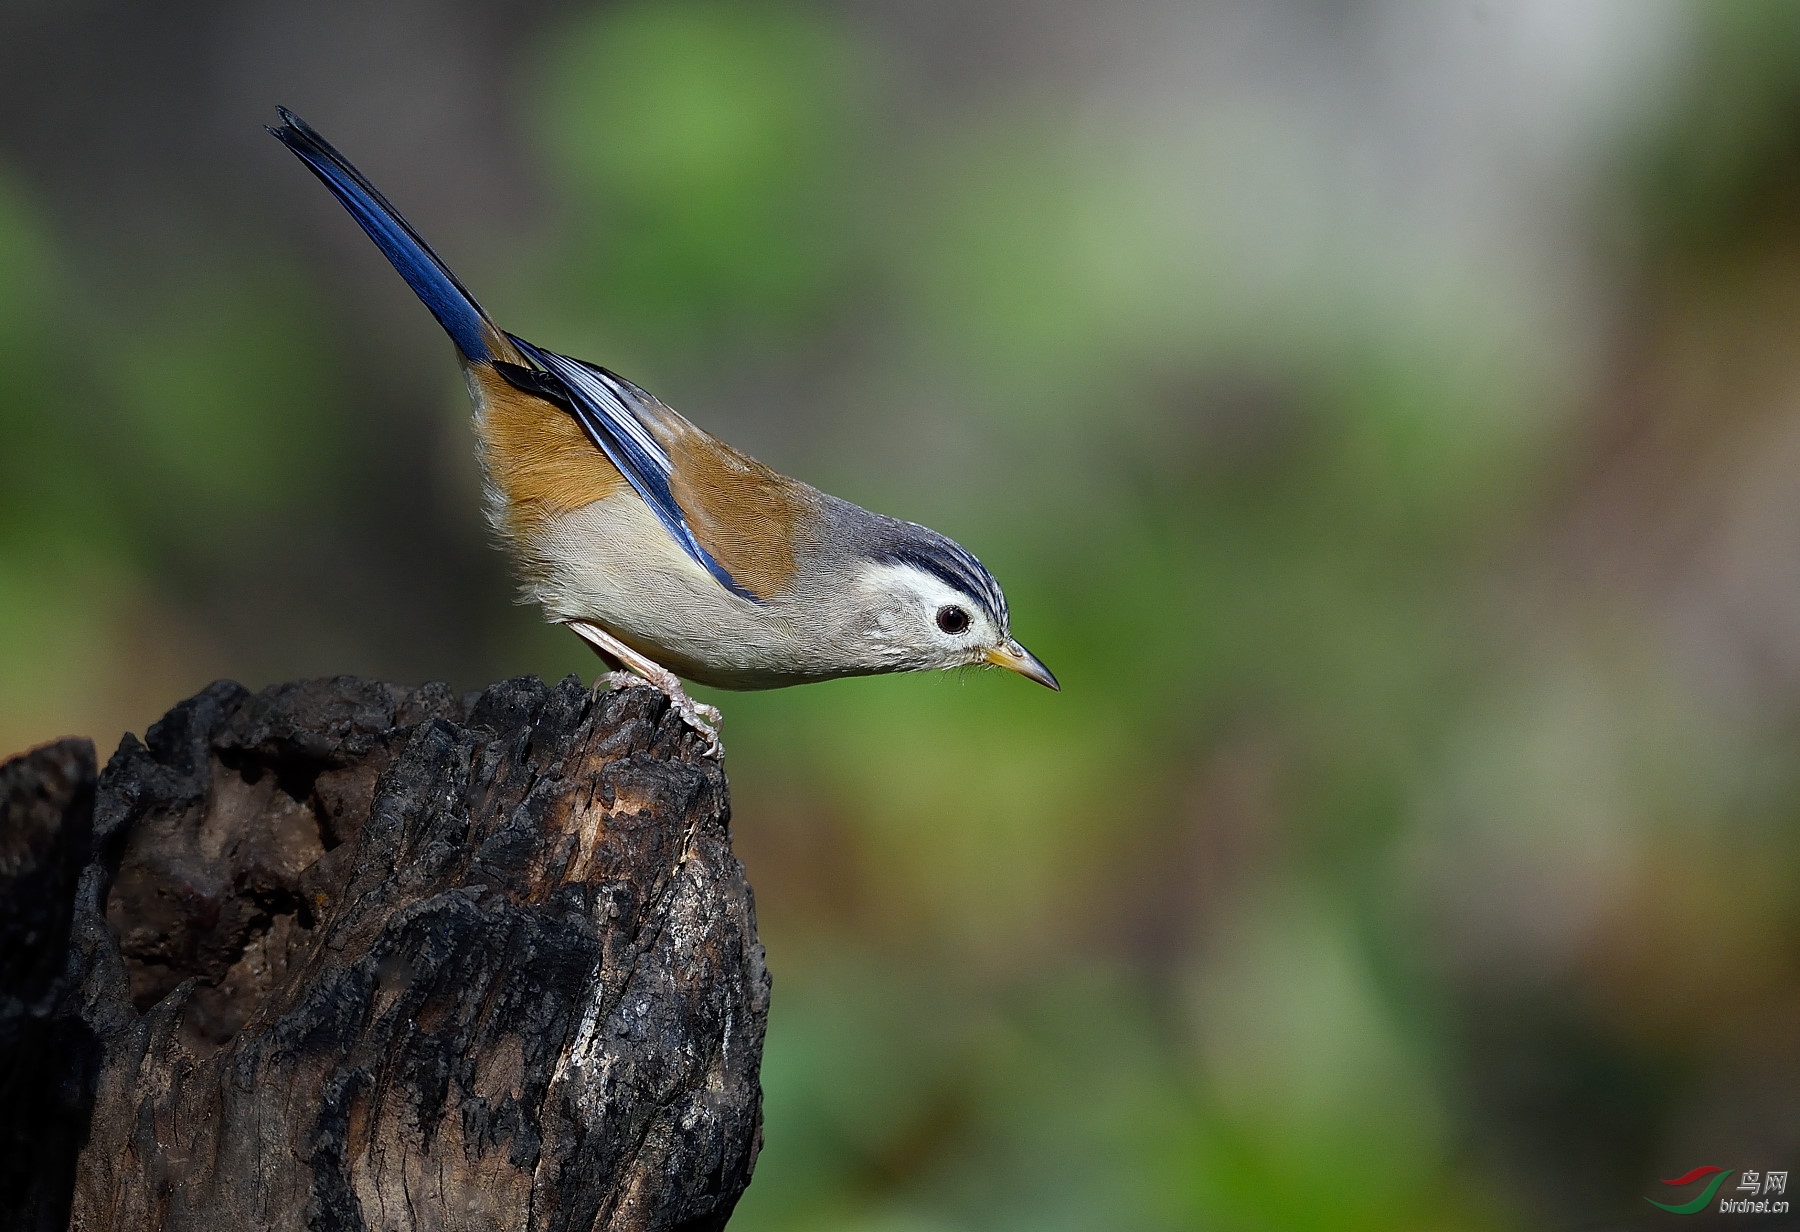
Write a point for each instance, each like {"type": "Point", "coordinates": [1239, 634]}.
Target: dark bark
{"type": "Point", "coordinates": [47, 1059]}
{"type": "Point", "coordinates": [341, 955]}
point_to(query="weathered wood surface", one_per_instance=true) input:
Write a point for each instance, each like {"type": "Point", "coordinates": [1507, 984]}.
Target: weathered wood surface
{"type": "Point", "coordinates": [47, 1059]}
{"type": "Point", "coordinates": [341, 955]}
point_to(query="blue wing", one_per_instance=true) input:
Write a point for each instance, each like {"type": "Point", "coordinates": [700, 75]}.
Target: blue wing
{"type": "Point", "coordinates": [603, 407]}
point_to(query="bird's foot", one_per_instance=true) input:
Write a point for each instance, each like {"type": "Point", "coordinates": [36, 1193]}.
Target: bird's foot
{"type": "Point", "coordinates": [701, 717]}
{"type": "Point", "coordinates": [643, 671]}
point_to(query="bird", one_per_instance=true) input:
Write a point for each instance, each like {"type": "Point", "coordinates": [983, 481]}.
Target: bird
{"type": "Point", "coordinates": [670, 553]}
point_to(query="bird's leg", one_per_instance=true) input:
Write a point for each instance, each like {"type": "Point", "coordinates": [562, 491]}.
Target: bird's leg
{"type": "Point", "coordinates": [699, 716]}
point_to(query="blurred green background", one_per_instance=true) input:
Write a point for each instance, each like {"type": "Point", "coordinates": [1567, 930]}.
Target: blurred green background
{"type": "Point", "coordinates": [1385, 418]}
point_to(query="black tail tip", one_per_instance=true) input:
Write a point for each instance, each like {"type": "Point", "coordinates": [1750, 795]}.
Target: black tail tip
{"type": "Point", "coordinates": [292, 129]}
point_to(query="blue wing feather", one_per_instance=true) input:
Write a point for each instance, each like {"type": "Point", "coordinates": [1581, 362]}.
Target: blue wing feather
{"type": "Point", "coordinates": [602, 405]}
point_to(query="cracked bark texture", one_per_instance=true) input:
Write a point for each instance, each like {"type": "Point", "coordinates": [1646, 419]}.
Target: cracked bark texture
{"type": "Point", "coordinates": [344, 955]}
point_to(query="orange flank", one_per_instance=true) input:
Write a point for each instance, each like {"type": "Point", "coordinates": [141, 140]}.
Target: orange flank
{"type": "Point", "coordinates": [538, 456]}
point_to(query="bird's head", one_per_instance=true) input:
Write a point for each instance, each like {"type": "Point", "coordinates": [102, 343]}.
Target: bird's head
{"type": "Point", "coordinates": [931, 604]}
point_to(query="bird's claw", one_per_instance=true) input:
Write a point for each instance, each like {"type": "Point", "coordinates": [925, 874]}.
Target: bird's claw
{"type": "Point", "coordinates": [650, 674]}
{"type": "Point", "coordinates": [703, 718]}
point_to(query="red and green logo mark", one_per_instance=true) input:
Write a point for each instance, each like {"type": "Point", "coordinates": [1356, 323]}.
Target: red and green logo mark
{"type": "Point", "coordinates": [1719, 1176]}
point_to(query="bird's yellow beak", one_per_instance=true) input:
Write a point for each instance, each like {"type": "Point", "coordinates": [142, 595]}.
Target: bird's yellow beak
{"type": "Point", "coordinates": [1015, 658]}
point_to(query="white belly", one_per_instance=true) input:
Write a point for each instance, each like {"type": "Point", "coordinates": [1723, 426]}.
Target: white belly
{"type": "Point", "coordinates": [614, 564]}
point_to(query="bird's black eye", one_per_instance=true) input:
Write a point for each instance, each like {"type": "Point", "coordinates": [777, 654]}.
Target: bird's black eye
{"type": "Point", "coordinates": [952, 619]}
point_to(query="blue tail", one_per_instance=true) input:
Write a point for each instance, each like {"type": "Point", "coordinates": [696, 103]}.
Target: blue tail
{"type": "Point", "coordinates": [428, 276]}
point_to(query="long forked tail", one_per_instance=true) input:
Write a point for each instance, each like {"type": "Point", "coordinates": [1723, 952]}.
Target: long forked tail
{"type": "Point", "coordinates": [425, 272]}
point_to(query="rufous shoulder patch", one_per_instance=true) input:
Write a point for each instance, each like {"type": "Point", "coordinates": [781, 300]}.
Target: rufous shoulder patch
{"type": "Point", "coordinates": [753, 520]}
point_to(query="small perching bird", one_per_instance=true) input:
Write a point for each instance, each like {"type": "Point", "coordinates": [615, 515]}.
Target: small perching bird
{"type": "Point", "coordinates": [668, 551]}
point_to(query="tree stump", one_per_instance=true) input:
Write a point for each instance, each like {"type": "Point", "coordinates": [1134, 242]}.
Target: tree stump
{"type": "Point", "coordinates": [343, 955]}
